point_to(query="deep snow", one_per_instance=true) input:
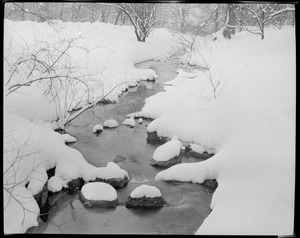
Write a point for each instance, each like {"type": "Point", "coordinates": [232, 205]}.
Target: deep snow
{"type": "Point", "coordinates": [250, 126]}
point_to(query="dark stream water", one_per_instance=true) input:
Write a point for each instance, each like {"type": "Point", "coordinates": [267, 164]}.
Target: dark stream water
{"type": "Point", "coordinates": [189, 202]}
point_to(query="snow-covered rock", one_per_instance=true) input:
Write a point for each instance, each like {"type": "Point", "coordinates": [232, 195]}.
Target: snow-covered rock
{"type": "Point", "coordinates": [56, 184]}
{"type": "Point", "coordinates": [111, 123]}
{"type": "Point", "coordinates": [145, 190]}
{"type": "Point", "coordinates": [197, 148]}
{"type": "Point", "coordinates": [140, 120]}
{"type": "Point", "coordinates": [98, 194]}
{"type": "Point", "coordinates": [153, 138]}
{"type": "Point", "coordinates": [198, 151]}
{"type": "Point", "coordinates": [129, 122]}
{"type": "Point", "coordinates": [75, 185]}
{"type": "Point", "coordinates": [68, 138]}
{"type": "Point", "coordinates": [167, 154]}
{"type": "Point", "coordinates": [145, 196]}
{"type": "Point", "coordinates": [97, 128]}
{"type": "Point", "coordinates": [111, 174]}
{"type": "Point", "coordinates": [167, 150]}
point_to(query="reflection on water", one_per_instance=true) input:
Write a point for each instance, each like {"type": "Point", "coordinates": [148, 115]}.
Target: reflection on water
{"type": "Point", "coordinates": [189, 203]}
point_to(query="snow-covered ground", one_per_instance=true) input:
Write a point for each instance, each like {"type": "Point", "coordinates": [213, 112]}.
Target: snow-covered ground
{"type": "Point", "coordinates": [99, 61]}
{"type": "Point", "coordinates": [250, 126]}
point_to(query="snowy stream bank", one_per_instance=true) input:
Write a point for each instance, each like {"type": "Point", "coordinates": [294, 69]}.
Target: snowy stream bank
{"type": "Point", "coordinates": [189, 202]}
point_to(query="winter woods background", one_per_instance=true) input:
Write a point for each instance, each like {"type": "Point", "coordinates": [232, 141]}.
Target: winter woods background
{"type": "Point", "coordinates": [201, 19]}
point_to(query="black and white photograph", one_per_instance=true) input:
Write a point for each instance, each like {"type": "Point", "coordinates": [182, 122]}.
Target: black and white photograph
{"type": "Point", "coordinates": [149, 118]}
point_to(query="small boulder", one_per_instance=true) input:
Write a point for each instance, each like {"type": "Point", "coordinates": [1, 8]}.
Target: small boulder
{"type": "Point", "coordinates": [75, 185]}
{"type": "Point", "coordinates": [115, 182]}
{"type": "Point", "coordinates": [154, 139]}
{"type": "Point", "coordinates": [211, 185]}
{"type": "Point", "coordinates": [97, 128]}
{"type": "Point", "coordinates": [140, 120]}
{"type": "Point", "coordinates": [168, 163]}
{"type": "Point", "coordinates": [111, 123]}
{"type": "Point", "coordinates": [167, 154]}
{"type": "Point", "coordinates": [198, 152]}
{"type": "Point", "coordinates": [145, 196]}
{"type": "Point", "coordinates": [129, 122]}
{"type": "Point", "coordinates": [98, 194]}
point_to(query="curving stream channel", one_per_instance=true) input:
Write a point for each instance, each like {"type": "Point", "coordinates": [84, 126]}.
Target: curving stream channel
{"type": "Point", "coordinates": [189, 202]}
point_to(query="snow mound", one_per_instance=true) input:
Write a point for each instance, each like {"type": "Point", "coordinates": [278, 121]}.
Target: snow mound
{"type": "Point", "coordinates": [145, 191]}
{"type": "Point", "coordinates": [148, 74]}
{"type": "Point", "coordinates": [112, 170]}
{"type": "Point", "coordinates": [68, 138]}
{"type": "Point", "coordinates": [129, 122]}
{"type": "Point", "coordinates": [97, 128]}
{"type": "Point", "coordinates": [99, 191]}
{"type": "Point", "coordinates": [167, 151]}
{"type": "Point", "coordinates": [111, 123]}
{"type": "Point", "coordinates": [56, 184]}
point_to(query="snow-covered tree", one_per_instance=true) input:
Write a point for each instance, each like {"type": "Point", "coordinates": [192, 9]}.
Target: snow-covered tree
{"type": "Point", "coordinates": [255, 17]}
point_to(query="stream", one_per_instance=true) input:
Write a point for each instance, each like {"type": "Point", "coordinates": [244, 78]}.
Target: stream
{"type": "Point", "coordinates": [189, 202]}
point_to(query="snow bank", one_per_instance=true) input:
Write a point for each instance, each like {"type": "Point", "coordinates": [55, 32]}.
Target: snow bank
{"type": "Point", "coordinates": [102, 56]}
{"type": "Point", "coordinates": [99, 191]}
{"type": "Point", "coordinates": [251, 126]}
{"type": "Point", "coordinates": [18, 218]}
{"type": "Point", "coordinates": [29, 151]}
{"type": "Point", "coordinates": [145, 191]}
{"type": "Point", "coordinates": [167, 151]}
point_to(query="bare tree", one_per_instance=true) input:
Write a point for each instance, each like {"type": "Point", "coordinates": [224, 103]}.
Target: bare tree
{"type": "Point", "coordinates": [180, 13]}
{"type": "Point", "coordinates": [142, 16]}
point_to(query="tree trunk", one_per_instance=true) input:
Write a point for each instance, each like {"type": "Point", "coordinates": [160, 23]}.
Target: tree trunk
{"type": "Point", "coordinates": [22, 12]}
{"type": "Point", "coordinates": [262, 31]}
{"type": "Point", "coordinates": [262, 27]}
{"type": "Point", "coordinates": [78, 11]}
{"type": "Point", "coordinates": [118, 16]}
{"type": "Point", "coordinates": [231, 22]}
{"type": "Point", "coordinates": [216, 20]}
{"type": "Point", "coordinates": [61, 12]}
{"type": "Point", "coordinates": [73, 18]}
